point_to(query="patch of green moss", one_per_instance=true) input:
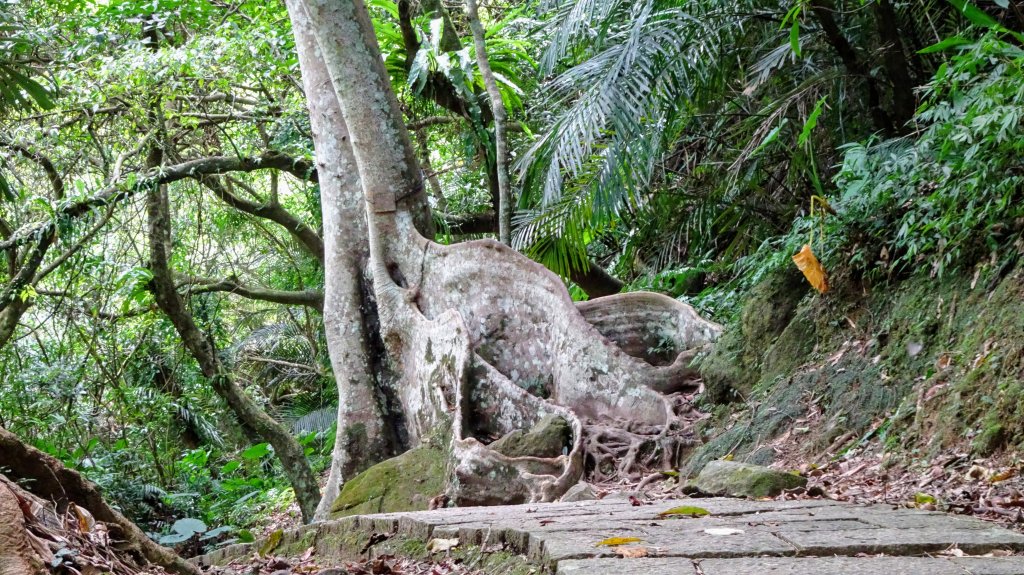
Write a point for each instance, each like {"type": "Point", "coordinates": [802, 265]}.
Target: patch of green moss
{"type": "Point", "coordinates": [296, 546]}
{"type": "Point", "coordinates": [727, 377]}
{"type": "Point", "coordinates": [991, 438]}
{"type": "Point", "coordinates": [414, 548]}
{"type": "Point", "coordinates": [337, 542]}
{"type": "Point", "coordinates": [404, 483]}
{"type": "Point", "coordinates": [920, 364]}
{"type": "Point", "coordinates": [791, 348]}
{"type": "Point", "coordinates": [734, 366]}
{"type": "Point", "coordinates": [490, 562]}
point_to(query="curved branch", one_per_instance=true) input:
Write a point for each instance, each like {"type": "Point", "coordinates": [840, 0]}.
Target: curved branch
{"type": "Point", "coordinates": [213, 165]}
{"type": "Point", "coordinates": [56, 181]}
{"type": "Point", "coordinates": [596, 281]}
{"type": "Point", "coordinates": [308, 298]}
{"type": "Point", "coordinates": [306, 235]}
{"type": "Point", "coordinates": [28, 270]}
{"type": "Point", "coordinates": [429, 121]}
{"type": "Point", "coordinates": [204, 350]}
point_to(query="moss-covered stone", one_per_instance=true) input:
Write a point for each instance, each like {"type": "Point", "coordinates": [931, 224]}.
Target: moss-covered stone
{"type": "Point", "coordinates": [734, 365]}
{"type": "Point", "coordinates": [546, 439]}
{"type": "Point", "coordinates": [404, 483]}
{"type": "Point", "coordinates": [744, 480]}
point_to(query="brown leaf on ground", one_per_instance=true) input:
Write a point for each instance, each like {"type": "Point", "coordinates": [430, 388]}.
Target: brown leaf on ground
{"type": "Point", "coordinates": [631, 551]}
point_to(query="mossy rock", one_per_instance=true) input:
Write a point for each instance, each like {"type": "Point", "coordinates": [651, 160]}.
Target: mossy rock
{"type": "Point", "coordinates": [546, 439]}
{"type": "Point", "coordinates": [735, 479]}
{"type": "Point", "coordinates": [404, 483]}
{"type": "Point", "coordinates": [770, 306]}
{"type": "Point", "coordinates": [734, 365]}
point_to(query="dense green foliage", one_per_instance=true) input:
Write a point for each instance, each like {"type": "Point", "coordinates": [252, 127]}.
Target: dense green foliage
{"type": "Point", "coordinates": [949, 195]}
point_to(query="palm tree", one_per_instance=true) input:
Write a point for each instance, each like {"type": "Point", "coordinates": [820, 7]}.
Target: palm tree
{"type": "Point", "coordinates": [655, 101]}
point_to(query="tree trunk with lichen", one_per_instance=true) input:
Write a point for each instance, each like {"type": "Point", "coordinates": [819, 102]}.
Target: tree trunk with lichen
{"type": "Point", "coordinates": [363, 436]}
{"type": "Point", "coordinates": [477, 339]}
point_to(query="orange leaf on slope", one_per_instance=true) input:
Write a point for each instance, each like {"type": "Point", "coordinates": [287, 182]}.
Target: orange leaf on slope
{"type": "Point", "coordinates": [811, 268]}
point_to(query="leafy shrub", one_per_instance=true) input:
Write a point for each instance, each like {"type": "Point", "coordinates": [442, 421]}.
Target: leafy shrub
{"type": "Point", "coordinates": [953, 194]}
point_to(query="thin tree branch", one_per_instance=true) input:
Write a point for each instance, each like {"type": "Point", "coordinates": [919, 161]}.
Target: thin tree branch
{"type": "Point", "coordinates": [165, 175]}
{"type": "Point", "coordinates": [500, 119]}
{"type": "Point", "coordinates": [56, 181]}
{"type": "Point", "coordinates": [308, 298]}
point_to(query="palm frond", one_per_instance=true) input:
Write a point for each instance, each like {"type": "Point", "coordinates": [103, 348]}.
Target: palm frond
{"type": "Point", "coordinates": [317, 421]}
{"type": "Point", "coordinates": [619, 95]}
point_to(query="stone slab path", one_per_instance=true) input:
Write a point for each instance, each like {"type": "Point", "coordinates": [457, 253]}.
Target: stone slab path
{"type": "Point", "coordinates": [739, 537]}
{"type": "Point", "coordinates": [812, 537]}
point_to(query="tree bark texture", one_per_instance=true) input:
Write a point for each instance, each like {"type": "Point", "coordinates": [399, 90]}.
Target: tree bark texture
{"type": "Point", "coordinates": [904, 104]}
{"type": "Point", "coordinates": [482, 341]}
{"type": "Point", "coordinates": [824, 11]}
{"type": "Point", "coordinates": [17, 556]}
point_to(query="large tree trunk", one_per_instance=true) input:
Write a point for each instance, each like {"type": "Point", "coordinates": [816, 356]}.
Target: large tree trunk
{"type": "Point", "coordinates": [481, 341]}
{"type": "Point", "coordinates": [904, 104]}
{"type": "Point", "coordinates": [363, 438]}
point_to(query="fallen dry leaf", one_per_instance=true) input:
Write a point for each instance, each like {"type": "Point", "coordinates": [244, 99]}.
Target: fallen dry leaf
{"type": "Point", "coordinates": [85, 519]}
{"type": "Point", "coordinates": [442, 545]}
{"type": "Point", "coordinates": [1003, 475]}
{"type": "Point", "coordinates": [631, 551]}
{"type": "Point", "coordinates": [811, 268]}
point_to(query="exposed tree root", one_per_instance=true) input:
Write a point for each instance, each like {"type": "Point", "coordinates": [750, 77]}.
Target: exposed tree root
{"type": "Point", "coordinates": [17, 556]}
{"type": "Point", "coordinates": [490, 343]}
{"type": "Point", "coordinates": [52, 481]}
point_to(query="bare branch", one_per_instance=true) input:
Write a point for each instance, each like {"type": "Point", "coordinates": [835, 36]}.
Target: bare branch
{"type": "Point", "coordinates": [273, 211]}
{"type": "Point", "coordinates": [308, 298]}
